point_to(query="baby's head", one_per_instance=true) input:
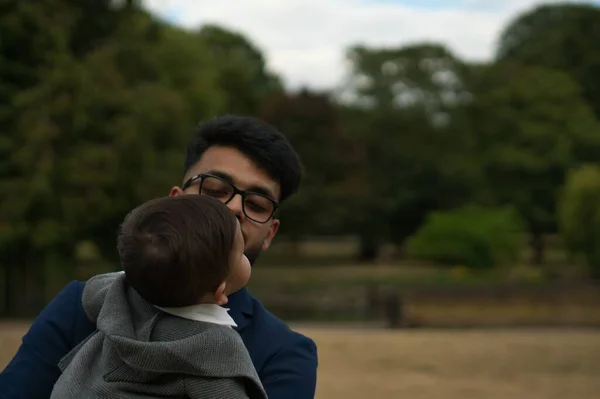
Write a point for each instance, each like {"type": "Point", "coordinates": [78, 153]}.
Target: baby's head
{"type": "Point", "coordinates": [183, 250]}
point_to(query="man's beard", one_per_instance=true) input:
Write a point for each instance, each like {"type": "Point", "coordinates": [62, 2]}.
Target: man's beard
{"type": "Point", "coordinates": [253, 253]}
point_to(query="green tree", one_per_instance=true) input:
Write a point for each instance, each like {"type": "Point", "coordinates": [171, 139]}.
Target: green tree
{"type": "Point", "coordinates": [242, 73]}
{"type": "Point", "coordinates": [533, 126]}
{"type": "Point", "coordinates": [561, 36]}
{"type": "Point", "coordinates": [417, 155]}
{"type": "Point", "coordinates": [34, 40]}
{"type": "Point", "coordinates": [579, 211]}
{"type": "Point", "coordinates": [93, 136]}
{"type": "Point", "coordinates": [311, 121]}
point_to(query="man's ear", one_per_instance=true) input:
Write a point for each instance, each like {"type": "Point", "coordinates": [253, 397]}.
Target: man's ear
{"type": "Point", "coordinates": [175, 191]}
{"type": "Point", "coordinates": [220, 296]}
{"type": "Point", "coordinates": [272, 232]}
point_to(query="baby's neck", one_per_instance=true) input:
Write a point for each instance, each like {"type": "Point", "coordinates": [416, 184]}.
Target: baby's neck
{"type": "Point", "coordinates": [207, 300]}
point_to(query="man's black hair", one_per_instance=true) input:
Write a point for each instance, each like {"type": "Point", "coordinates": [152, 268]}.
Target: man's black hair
{"type": "Point", "coordinates": [258, 140]}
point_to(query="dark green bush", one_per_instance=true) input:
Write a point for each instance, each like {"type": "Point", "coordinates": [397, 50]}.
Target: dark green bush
{"type": "Point", "coordinates": [579, 215]}
{"type": "Point", "coordinates": [471, 236]}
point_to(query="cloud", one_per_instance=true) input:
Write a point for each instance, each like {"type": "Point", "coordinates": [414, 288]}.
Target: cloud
{"type": "Point", "coordinates": [305, 40]}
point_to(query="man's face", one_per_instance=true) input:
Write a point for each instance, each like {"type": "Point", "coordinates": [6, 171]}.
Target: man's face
{"type": "Point", "coordinates": [243, 173]}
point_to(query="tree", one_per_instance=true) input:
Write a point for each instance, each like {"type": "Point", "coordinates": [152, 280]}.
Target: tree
{"type": "Point", "coordinates": [242, 73]}
{"type": "Point", "coordinates": [559, 36]}
{"type": "Point", "coordinates": [415, 147]}
{"type": "Point", "coordinates": [533, 126]}
{"type": "Point", "coordinates": [96, 134]}
{"type": "Point", "coordinates": [34, 39]}
{"type": "Point", "coordinates": [425, 76]}
{"type": "Point", "coordinates": [579, 214]}
{"type": "Point", "coordinates": [312, 124]}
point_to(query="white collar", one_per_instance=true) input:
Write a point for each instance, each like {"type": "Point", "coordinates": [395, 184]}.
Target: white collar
{"type": "Point", "coordinates": [206, 312]}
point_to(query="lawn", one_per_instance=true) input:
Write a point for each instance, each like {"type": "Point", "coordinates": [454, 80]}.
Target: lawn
{"type": "Point", "coordinates": [429, 364]}
{"type": "Point", "coordinates": [457, 364]}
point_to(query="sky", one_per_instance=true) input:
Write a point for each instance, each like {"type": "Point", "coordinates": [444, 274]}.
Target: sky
{"type": "Point", "coordinates": [304, 41]}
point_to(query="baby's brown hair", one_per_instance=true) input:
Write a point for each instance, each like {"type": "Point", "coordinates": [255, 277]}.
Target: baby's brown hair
{"type": "Point", "coordinates": [174, 250]}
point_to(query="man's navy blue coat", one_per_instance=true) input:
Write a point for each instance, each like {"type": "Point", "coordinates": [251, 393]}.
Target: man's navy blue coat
{"type": "Point", "coordinates": [286, 361]}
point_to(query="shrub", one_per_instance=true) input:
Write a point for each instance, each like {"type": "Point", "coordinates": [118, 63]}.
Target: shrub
{"type": "Point", "coordinates": [471, 236]}
{"type": "Point", "coordinates": [579, 215]}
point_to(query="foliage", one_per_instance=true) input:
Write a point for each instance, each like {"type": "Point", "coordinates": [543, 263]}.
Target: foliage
{"type": "Point", "coordinates": [579, 213]}
{"type": "Point", "coordinates": [415, 146]}
{"type": "Point", "coordinates": [472, 236]}
{"type": "Point", "coordinates": [241, 69]}
{"type": "Point", "coordinates": [93, 133]}
{"type": "Point", "coordinates": [312, 123]}
{"type": "Point", "coordinates": [98, 100]}
{"type": "Point", "coordinates": [558, 36]}
{"type": "Point", "coordinates": [532, 126]}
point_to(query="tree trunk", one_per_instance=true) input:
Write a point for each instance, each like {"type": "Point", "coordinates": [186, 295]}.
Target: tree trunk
{"type": "Point", "coordinates": [27, 288]}
{"type": "Point", "coordinates": [537, 248]}
{"type": "Point", "coordinates": [369, 249]}
{"type": "Point", "coordinates": [295, 246]}
{"type": "Point", "coordinates": [399, 250]}
{"type": "Point", "coordinates": [9, 295]}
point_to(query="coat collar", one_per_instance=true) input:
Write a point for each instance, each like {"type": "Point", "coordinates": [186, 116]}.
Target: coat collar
{"type": "Point", "coordinates": [240, 308]}
{"type": "Point", "coordinates": [206, 312]}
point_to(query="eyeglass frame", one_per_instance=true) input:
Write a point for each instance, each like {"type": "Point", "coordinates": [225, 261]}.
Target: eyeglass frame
{"type": "Point", "coordinates": [201, 176]}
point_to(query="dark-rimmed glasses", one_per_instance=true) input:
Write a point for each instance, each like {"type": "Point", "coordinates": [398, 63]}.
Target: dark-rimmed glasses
{"type": "Point", "coordinates": [256, 207]}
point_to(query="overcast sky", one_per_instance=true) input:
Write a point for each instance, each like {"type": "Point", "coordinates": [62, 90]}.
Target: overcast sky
{"type": "Point", "coordinates": [304, 40]}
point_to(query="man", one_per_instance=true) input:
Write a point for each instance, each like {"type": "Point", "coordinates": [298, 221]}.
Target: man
{"type": "Point", "coordinates": [251, 167]}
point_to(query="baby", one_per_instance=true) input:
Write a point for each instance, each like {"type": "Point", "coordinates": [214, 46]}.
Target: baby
{"type": "Point", "coordinates": [161, 330]}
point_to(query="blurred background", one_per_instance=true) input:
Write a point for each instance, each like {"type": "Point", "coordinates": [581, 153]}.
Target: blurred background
{"type": "Point", "coordinates": [446, 240]}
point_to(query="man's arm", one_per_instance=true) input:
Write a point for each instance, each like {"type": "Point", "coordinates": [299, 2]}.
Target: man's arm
{"type": "Point", "coordinates": [292, 372]}
{"type": "Point", "coordinates": [58, 328]}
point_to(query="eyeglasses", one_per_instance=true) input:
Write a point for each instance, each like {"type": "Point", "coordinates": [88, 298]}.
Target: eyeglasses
{"type": "Point", "coordinates": [256, 207]}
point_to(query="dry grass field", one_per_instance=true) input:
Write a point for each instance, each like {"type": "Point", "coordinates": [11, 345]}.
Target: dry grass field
{"type": "Point", "coordinates": [427, 364]}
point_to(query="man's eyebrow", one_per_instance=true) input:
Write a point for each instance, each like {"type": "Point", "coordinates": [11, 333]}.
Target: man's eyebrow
{"type": "Point", "coordinates": [222, 175]}
{"type": "Point", "coordinates": [255, 189]}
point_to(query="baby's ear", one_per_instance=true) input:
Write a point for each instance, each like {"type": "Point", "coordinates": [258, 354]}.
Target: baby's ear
{"type": "Point", "coordinates": [220, 297]}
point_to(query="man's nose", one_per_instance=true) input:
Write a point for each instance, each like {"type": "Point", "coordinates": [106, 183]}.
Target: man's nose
{"type": "Point", "coordinates": [235, 205]}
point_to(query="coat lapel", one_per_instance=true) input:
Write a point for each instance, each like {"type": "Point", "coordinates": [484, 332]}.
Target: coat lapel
{"type": "Point", "coordinates": [240, 308]}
